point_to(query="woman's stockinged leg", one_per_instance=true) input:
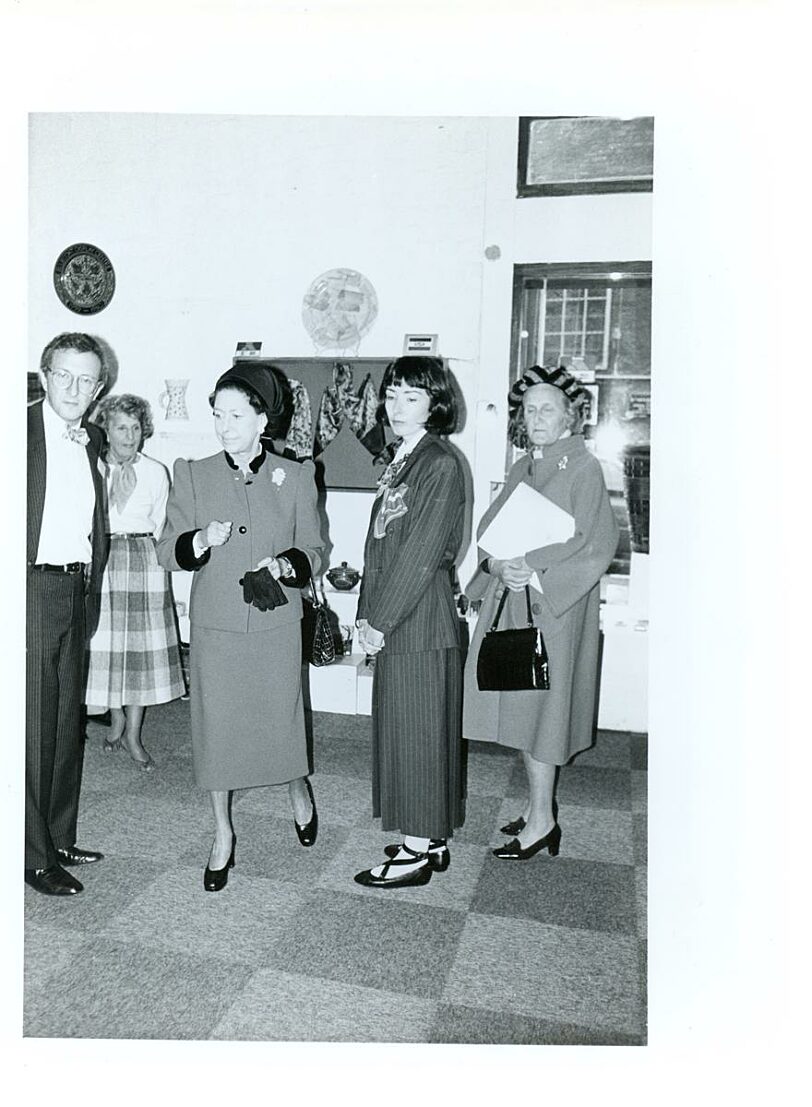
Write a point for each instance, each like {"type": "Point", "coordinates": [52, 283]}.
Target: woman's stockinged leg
{"type": "Point", "coordinates": [223, 832]}
{"type": "Point", "coordinates": [118, 724]}
{"type": "Point", "coordinates": [300, 800]}
{"type": "Point", "coordinates": [134, 714]}
{"type": "Point", "coordinates": [539, 817]}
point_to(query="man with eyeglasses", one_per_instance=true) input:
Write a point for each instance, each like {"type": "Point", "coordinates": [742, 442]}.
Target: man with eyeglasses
{"type": "Point", "coordinates": [66, 555]}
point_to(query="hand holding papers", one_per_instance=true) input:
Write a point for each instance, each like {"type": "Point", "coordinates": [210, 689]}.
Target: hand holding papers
{"type": "Point", "coordinates": [526, 521]}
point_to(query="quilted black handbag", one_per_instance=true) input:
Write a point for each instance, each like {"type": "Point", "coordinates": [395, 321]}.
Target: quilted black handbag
{"type": "Point", "coordinates": [318, 641]}
{"type": "Point", "coordinates": [513, 660]}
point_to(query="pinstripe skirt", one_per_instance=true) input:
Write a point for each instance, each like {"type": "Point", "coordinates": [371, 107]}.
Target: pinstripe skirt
{"type": "Point", "coordinates": [418, 780]}
{"type": "Point", "coordinates": [134, 655]}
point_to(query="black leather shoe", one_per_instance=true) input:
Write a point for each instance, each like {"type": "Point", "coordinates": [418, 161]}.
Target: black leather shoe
{"type": "Point", "coordinates": [514, 852]}
{"type": "Point", "coordinates": [53, 881]}
{"type": "Point", "coordinates": [411, 879]}
{"type": "Point", "coordinates": [518, 825]}
{"type": "Point", "coordinates": [439, 854]}
{"type": "Point", "coordinates": [75, 856]}
{"type": "Point", "coordinates": [214, 880]}
{"type": "Point", "coordinates": [307, 833]}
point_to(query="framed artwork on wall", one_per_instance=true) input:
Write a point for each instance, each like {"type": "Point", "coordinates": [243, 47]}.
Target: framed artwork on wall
{"type": "Point", "coordinates": [574, 155]}
{"type": "Point", "coordinates": [334, 417]}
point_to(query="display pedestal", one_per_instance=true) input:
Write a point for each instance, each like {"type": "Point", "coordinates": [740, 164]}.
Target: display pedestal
{"type": "Point", "coordinates": [623, 703]}
{"type": "Point", "coordinates": [345, 686]}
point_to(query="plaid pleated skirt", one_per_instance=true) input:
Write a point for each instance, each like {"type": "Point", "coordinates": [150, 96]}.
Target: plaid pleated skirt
{"type": "Point", "coordinates": [134, 654]}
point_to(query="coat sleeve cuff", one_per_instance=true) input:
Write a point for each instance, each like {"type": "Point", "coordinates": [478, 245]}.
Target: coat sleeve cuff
{"type": "Point", "coordinates": [185, 552]}
{"type": "Point", "coordinates": [301, 568]}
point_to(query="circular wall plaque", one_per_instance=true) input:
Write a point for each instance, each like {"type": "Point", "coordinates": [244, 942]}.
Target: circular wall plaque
{"type": "Point", "coordinates": [84, 279]}
{"type": "Point", "coordinates": [339, 308]}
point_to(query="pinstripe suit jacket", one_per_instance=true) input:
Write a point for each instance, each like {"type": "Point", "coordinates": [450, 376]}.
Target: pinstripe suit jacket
{"type": "Point", "coordinates": [407, 591]}
{"type": "Point", "coordinates": [37, 467]}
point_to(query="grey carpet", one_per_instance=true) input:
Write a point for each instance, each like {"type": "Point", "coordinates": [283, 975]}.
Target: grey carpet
{"type": "Point", "coordinates": [551, 951]}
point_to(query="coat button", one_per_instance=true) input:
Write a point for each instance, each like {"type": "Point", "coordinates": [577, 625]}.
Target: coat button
{"type": "Point", "coordinates": [537, 609]}
{"type": "Point", "coordinates": [242, 530]}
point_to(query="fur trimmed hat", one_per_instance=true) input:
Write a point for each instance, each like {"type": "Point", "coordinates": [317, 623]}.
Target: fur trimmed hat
{"type": "Point", "coordinates": [558, 378]}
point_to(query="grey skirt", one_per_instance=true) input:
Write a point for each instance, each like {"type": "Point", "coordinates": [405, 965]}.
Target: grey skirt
{"type": "Point", "coordinates": [418, 777]}
{"type": "Point", "coordinates": [246, 707]}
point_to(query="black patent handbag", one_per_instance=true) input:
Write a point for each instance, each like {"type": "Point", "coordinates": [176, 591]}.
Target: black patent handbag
{"type": "Point", "coordinates": [318, 641]}
{"type": "Point", "coordinates": [513, 660]}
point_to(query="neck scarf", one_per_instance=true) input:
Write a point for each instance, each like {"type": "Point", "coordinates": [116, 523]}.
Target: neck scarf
{"type": "Point", "coordinates": [122, 483]}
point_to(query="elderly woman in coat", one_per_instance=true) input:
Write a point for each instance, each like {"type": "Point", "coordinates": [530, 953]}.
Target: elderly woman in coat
{"type": "Point", "coordinates": [550, 726]}
{"type": "Point", "coordinates": [245, 522]}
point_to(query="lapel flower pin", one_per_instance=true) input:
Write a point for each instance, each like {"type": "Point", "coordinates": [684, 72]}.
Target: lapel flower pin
{"type": "Point", "coordinates": [562, 464]}
{"type": "Point", "coordinates": [278, 476]}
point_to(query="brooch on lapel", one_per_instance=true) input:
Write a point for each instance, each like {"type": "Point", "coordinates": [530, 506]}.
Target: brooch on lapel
{"type": "Point", "coordinates": [278, 477]}
{"type": "Point", "coordinates": [393, 505]}
{"type": "Point", "coordinates": [562, 464]}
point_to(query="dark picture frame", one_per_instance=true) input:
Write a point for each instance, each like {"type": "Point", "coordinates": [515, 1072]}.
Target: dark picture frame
{"type": "Point", "coordinates": [571, 155]}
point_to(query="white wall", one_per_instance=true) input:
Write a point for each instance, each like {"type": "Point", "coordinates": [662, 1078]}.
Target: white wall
{"type": "Point", "coordinates": [216, 226]}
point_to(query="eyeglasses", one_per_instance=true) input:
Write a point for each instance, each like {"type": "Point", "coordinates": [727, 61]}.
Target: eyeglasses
{"type": "Point", "coordinates": [63, 379]}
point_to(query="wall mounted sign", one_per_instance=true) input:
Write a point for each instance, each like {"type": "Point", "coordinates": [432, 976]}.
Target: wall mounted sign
{"type": "Point", "coordinates": [421, 344]}
{"type": "Point", "coordinates": [84, 279]}
{"type": "Point", "coordinates": [247, 350]}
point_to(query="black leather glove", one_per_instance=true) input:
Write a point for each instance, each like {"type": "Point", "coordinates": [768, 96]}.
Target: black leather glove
{"type": "Point", "coordinates": [247, 583]}
{"type": "Point", "coordinates": [260, 589]}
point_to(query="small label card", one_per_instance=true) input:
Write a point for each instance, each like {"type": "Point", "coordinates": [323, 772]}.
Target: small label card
{"type": "Point", "coordinates": [247, 350]}
{"type": "Point", "coordinates": [421, 344]}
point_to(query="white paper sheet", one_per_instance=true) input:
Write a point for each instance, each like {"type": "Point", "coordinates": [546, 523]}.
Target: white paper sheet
{"type": "Point", "coordinates": [527, 520]}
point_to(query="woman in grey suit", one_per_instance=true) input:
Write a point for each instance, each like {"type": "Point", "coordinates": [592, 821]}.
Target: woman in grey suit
{"type": "Point", "coordinates": [408, 621]}
{"type": "Point", "coordinates": [245, 521]}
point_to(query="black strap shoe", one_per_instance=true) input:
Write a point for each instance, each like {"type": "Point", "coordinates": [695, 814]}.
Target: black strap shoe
{"type": "Point", "coordinates": [439, 853]}
{"type": "Point", "coordinates": [53, 881]}
{"type": "Point", "coordinates": [412, 879]}
{"type": "Point", "coordinates": [72, 855]}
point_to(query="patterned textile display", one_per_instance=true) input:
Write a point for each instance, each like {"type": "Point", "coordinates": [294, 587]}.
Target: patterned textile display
{"type": "Point", "coordinates": [134, 654]}
{"type": "Point", "coordinates": [300, 434]}
{"type": "Point", "coordinates": [340, 402]}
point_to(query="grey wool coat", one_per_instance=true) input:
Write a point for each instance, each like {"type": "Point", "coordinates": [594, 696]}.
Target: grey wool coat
{"type": "Point", "coordinates": [555, 724]}
{"type": "Point", "coordinates": [272, 513]}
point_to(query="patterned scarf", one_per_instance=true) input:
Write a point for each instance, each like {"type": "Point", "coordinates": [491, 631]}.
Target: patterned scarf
{"type": "Point", "coordinates": [122, 483]}
{"type": "Point", "coordinates": [340, 402]}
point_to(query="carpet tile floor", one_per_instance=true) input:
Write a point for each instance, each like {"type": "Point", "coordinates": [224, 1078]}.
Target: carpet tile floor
{"type": "Point", "coordinates": [552, 951]}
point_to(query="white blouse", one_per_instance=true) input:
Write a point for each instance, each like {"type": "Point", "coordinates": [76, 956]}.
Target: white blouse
{"type": "Point", "coordinates": [145, 511]}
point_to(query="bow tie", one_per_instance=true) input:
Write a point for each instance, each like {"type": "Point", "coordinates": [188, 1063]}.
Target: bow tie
{"type": "Point", "coordinates": [77, 434]}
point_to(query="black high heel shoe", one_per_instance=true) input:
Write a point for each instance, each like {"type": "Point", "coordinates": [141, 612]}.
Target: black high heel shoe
{"type": "Point", "coordinates": [438, 853]}
{"type": "Point", "coordinates": [410, 880]}
{"type": "Point", "coordinates": [518, 825]}
{"type": "Point", "coordinates": [214, 880]}
{"type": "Point", "coordinates": [307, 833]}
{"type": "Point", "coordinates": [514, 852]}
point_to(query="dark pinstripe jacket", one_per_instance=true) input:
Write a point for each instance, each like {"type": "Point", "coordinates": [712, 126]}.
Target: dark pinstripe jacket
{"type": "Point", "coordinates": [407, 590]}
{"type": "Point", "coordinates": [37, 464]}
